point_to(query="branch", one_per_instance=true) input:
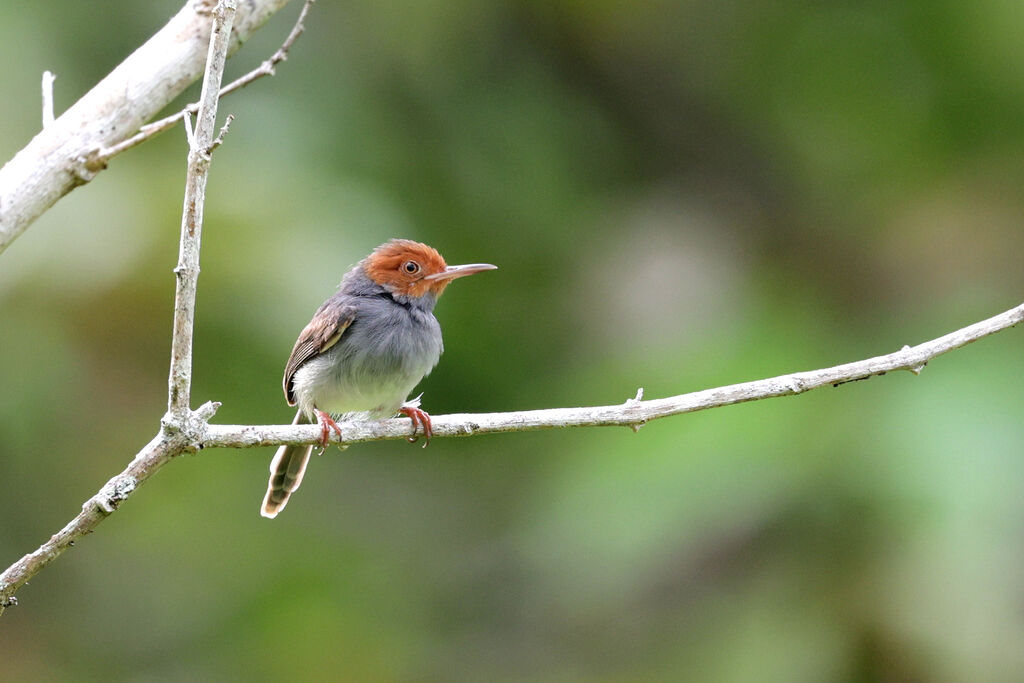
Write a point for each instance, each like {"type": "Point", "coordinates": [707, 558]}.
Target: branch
{"type": "Point", "coordinates": [180, 427]}
{"type": "Point", "coordinates": [265, 69]}
{"type": "Point", "coordinates": [633, 413]}
{"type": "Point", "coordinates": [195, 433]}
{"type": "Point", "coordinates": [201, 144]}
{"type": "Point", "coordinates": [157, 453]}
{"type": "Point", "coordinates": [65, 154]}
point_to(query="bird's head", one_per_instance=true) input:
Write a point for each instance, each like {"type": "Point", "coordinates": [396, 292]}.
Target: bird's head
{"type": "Point", "coordinates": [411, 269]}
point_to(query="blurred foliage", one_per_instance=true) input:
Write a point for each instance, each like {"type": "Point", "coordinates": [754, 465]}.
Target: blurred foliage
{"type": "Point", "coordinates": [680, 194]}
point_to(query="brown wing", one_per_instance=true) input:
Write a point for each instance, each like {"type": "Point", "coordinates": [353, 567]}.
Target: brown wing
{"type": "Point", "coordinates": [322, 332]}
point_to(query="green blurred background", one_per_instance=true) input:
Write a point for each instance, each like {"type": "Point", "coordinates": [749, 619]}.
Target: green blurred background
{"type": "Point", "coordinates": [679, 194]}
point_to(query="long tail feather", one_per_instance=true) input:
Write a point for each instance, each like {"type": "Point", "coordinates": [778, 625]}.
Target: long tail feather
{"type": "Point", "coordinates": [286, 472]}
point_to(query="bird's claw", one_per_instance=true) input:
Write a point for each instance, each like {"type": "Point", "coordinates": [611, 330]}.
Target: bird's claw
{"type": "Point", "coordinates": [327, 423]}
{"type": "Point", "coordinates": [418, 417]}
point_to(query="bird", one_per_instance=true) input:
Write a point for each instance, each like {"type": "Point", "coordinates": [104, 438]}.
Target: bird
{"type": "Point", "coordinates": [364, 351]}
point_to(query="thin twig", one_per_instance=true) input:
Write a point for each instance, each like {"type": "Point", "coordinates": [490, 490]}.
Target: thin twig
{"type": "Point", "coordinates": [190, 136]}
{"type": "Point", "coordinates": [219, 140]}
{"type": "Point", "coordinates": [265, 69]}
{"type": "Point", "coordinates": [197, 434]}
{"type": "Point", "coordinates": [48, 78]}
{"type": "Point", "coordinates": [66, 155]}
{"type": "Point", "coordinates": [187, 271]}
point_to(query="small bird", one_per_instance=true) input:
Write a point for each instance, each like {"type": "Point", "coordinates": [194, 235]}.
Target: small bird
{"type": "Point", "coordinates": [364, 350]}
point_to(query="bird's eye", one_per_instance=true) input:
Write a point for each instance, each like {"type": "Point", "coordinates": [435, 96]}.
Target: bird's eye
{"type": "Point", "coordinates": [411, 267]}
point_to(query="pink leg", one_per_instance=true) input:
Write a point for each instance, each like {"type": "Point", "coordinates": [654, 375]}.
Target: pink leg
{"type": "Point", "coordinates": [418, 417]}
{"type": "Point", "coordinates": [327, 423]}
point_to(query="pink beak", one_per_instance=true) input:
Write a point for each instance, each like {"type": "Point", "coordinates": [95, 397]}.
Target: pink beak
{"type": "Point", "coordinates": [452, 272]}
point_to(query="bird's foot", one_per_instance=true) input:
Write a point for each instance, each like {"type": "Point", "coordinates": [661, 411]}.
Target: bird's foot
{"type": "Point", "coordinates": [326, 423]}
{"type": "Point", "coordinates": [418, 417]}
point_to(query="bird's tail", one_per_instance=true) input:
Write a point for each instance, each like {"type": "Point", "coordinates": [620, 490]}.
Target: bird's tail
{"type": "Point", "coordinates": [286, 470]}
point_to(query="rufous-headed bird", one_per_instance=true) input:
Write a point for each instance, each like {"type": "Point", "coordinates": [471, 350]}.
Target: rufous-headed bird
{"type": "Point", "coordinates": [364, 350]}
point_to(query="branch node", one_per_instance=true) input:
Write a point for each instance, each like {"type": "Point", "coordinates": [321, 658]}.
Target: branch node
{"type": "Point", "coordinates": [635, 401]}
{"type": "Point", "coordinates": [193, 426]}
{"type": "Point", "coordinates": [207, 410]}
{"type": "Point", "coordinates": [84, 168]}
{"type": "Point", "coordinates": [112, 493]}
{"type": "Point", "coordinates": [916, 369]}
{"type": "Point", "coordinates": [169, 425]}
{"type": "Point", "coordinates": [94, 162]}
{"type": "Point", "coordinates": [466, 429]}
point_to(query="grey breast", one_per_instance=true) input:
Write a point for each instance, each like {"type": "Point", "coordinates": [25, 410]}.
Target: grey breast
{"type": "Point", "coordinates": [387, 350]}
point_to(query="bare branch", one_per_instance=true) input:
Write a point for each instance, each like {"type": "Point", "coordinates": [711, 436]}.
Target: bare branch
{"type": "Point", "coordinates": [633, 413]}
{"type": "Point", "coordinates": [187, 271]}
{"type": "Point", "coordinates": [219, 140]}
{"type": "Point", "coordinates": [195, 433]}
{"type": "Point", "coordinates": [181, 428]}
{"type": "Point", "coordinates": [158, 452]}
{"type": "Point", "coordinates": [48, 79]}
{"type": "Point", "coordinates": [66, 154]}
{"type": "Point", "coordinates": [265, 69]}
{"type": "Point", "coordinates": [190, 135]}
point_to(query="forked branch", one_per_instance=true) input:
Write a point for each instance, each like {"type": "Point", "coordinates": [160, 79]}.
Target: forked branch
{"type": "Point", "coordinates": [184, 430]}
{"type": "Point", "coordinates": [634, 412]}
{"type": "Point", "coordinates": [74, 147]}
{"type": "Point", "coordinates": [181, 426]}
{"type": "Point", "coordinates": [267, 68]}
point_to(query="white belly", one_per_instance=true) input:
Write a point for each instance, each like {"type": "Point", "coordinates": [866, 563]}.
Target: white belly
{"type": "Point", "coordinates": [323, 384]}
